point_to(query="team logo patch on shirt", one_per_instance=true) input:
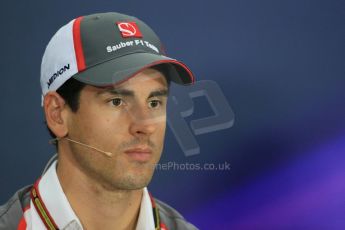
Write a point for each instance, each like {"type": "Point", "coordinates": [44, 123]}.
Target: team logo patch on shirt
{"type": "Point", "coordinates": [129, 29]}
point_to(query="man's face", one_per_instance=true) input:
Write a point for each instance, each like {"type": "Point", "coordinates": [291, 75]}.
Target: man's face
{"type": "Point", "coordinates": [127, 120]}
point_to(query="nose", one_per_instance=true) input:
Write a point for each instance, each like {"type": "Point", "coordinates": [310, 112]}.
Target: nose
{"type": "Point", "coordinates": [144, 122]}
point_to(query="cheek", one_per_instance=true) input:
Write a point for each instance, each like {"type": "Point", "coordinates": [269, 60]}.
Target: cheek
{"type": "Point", "coordinates": [98, 124]}
{"type": "Point", "coordinates": [109, 125]}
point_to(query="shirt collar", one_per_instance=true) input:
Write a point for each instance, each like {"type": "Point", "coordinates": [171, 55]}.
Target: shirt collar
{"type": "Point", "coordinates": [61, 211]}
{"type": "Point", "coordinates": [145, 219]}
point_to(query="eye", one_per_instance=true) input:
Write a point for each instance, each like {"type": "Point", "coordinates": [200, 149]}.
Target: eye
{"type": "Point", "coordinates": [116, 102]}
{"type": "Point", "coordinates": [154, 103]}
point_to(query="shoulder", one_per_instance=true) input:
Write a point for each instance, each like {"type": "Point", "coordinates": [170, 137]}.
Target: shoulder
{"type": "Point", "coordinates": [12, 211]}
{"type": "Point", "coordinates": [172, 218]}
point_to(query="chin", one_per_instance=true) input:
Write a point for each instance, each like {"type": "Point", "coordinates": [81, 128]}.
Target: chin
{"type": "Point", "coordinates": [130, 181]}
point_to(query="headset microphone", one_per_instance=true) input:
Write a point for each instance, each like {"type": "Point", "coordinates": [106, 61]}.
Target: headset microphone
{"type": "Point", "coordinates": [108, 154]}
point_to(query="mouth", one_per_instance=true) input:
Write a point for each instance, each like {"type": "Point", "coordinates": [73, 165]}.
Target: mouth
{"type": "Point", "coordinates": [139, 154]}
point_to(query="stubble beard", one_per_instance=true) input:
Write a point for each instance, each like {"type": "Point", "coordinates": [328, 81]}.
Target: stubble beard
{"type": "Point", "coordinates": [114, 173]}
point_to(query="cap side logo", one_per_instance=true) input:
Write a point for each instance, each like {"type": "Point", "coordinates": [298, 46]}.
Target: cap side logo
{"type": "Point", "coordinates": [129, 29]}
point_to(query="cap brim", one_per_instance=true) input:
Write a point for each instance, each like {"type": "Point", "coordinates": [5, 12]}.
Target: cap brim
{"type": "Point", "coordinates": [120, 69]}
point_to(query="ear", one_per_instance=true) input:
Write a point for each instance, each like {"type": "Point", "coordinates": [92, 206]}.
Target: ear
{"type": "Point", "coordinates": [56, 113]}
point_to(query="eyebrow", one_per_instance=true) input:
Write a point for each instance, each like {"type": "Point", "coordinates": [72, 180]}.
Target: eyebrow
{"type": "Point", "coordinates": [131, 93]}
{"type": "Point", "coordinates": [159, 93]}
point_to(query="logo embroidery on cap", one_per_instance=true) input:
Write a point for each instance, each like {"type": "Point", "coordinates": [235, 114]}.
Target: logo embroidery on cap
{"type": "Point", "coordinates": [57, 74]}
{"type": "Point", "coordinates": [129, 29]}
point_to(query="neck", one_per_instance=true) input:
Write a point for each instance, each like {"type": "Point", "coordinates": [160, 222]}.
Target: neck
{"type": "Point", "coordinates": [96, 206]}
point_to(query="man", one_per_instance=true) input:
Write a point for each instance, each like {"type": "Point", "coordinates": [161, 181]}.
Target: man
{"type": "Point", "coordinates": [105, 80]}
